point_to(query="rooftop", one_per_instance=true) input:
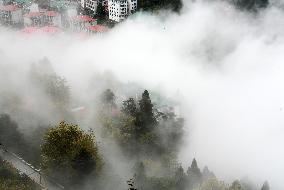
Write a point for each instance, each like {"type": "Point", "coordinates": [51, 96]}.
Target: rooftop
{"type": "Point", "coordinates": [29, 30]}
{"type": "Point", "coordinates": [51, 13]}
{"type": "Point", "coordinates": [33, 14]}
{"type": "Point", "coordinates": [83, 18]}
{"type": "Point", "coordinates": [98, 28]}
{"type": "Point", "coordinates": [50, 29]}
{"type": "Point", "coordinates": [9, 8]}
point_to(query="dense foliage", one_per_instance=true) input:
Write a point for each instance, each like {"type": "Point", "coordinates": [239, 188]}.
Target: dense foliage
{"type": "Point", "coordinates": [141, 129]}
{"type": "Point", "coordinates": [69, 154]}
{"type": "Point", "coordinates": [251, 4]}
{"type": "Point", "coordinates": [10, 179]}
{"type": "Point", "coordinates": [150, 5]}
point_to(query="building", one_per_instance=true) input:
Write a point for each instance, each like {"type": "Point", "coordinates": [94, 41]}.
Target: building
{"type": "Point", "coordinates": [11, 14]}
{"type": "Point", "coordinates": [132, 6]}
{"type": "Point", "coordinates": [52, 18]}
{"type": "Point", "coordinates": [118, 10]}
{"type": "Point", "coordinates": [81, 22]}
{"type": "Point", "coordinates": [121, 9]}
{"type": "Point", "coordinates": [33, 19]}
{"type": "Point", "coordinates": [91, 4]}
{"type": "Point", "coordinates": [97, 29]}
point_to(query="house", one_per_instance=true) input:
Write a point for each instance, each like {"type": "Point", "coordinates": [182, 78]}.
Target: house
{"type": "Point", "coordinates": [33, 19]}
{"type": "Point", "coordinates": [50, 30]}
{"type": "Point", "coordinates": [11, 14]}
{"type": "Point", "coordinates": [52, 18]}
{"type": "Point", "coordinates": [29, 30]}
{"type": "Point", "coordinates": [81, 22]}
{"type": "Point", "coordinates": [121, 9]}
{"type": "Point", "coordinates": [97, 29]}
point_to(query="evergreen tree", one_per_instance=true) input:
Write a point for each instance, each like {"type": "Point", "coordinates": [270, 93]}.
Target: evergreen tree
{"type": "Point", "coordinates": [146, 119]}
{"type": "Point", "coordinates": [265, 186]}
{"type": "Point", "coordinates": [108, 100]}
{"type": "Point", "coordinates": [236, 185]}
{"type": "Point", "coordinates": [129, 107]}
{"type": "Point", "coordinates": [207, 174]}
{"type": "Point", "coordinates": [180, 179]}
{"type": "Point", "coordinates": [194, 174]}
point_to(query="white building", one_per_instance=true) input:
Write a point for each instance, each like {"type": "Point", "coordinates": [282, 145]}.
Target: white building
{"type": "Point", "coordinates": [117, 10]}
{"type": "Point", "coordinates": [120, 9]}
{"type": "Point", "coordinates": [90, 4]}
{"type": "Point", "coordinates": [132, 6]}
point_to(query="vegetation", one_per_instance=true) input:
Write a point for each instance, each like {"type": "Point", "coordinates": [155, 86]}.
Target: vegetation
{"type": "Point", "coordinates": [145, 131]}
{"type": "Point", "coordinates": [151, 5]}
{"type": "Point", "coordinates": [251, 4]}
{"type": "Point", "coordinates": [10, 179]}
{"type": "Point", "coordinates": [69, 154]}
{"type": "Point", "coordinates": [139, 127]}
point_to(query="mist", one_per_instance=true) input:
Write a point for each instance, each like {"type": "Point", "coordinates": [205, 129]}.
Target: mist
{"type": "Point", "coordinates": [224, 65]}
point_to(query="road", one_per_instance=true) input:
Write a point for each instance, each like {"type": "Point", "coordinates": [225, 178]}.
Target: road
{"type": "Point", "coordinates": [29, 170]}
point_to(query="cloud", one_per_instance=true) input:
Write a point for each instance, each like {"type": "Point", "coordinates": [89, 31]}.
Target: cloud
{"type": "Point", "coordinates": [226, 64]}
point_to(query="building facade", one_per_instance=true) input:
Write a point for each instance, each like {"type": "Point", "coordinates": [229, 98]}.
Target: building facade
{"type": "Point", "coordinates": [90, 4]}
{"type": "Point", "coordinates": [118, 10]}
{"type": "Point", "coordinates": [132, 6]}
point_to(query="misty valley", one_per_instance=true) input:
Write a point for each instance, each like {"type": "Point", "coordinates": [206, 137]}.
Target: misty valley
{"type": "Point", "coordinates": [141, 95]}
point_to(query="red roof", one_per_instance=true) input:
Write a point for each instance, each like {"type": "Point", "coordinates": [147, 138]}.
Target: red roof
{"type": "Point", "coordinates": [29, 30]}
{"type": "Point", "coordinates": [81, 35]}
{"type": "Point", "coordinates": [9, 8]}
{"type": "Point", "coordinates": [33, 14]}
{"type": "Point", "coordinates": [50, 29]}
{"type": "Point", "coordinates": [98, 28]}
{"type": "Point", "coordinates": [51, 13]}
{"type": "Point", "coordinates": [83, 18]}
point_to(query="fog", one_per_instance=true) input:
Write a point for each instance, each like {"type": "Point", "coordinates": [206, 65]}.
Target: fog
{"type": "Point", "coordinates": [224, 64]}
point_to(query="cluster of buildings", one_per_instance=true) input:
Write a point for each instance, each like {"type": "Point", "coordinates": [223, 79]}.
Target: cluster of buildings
{"type": "Point", "coordinates": [117, 10]}
{"type": "Point", "coordinates": [62, 15]}
{"type": "Point", "coordinates": [30, 18]}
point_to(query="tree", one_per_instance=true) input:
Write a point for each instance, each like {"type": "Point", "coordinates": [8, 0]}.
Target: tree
{"type": "Point", "coordinates": [180, 179]}
{"type": "Point", "coordinates": [108, 98]}
{"type": "Point", "coordinates": [207, 174]}
{"type": "Point", "coordinates": [11, 138]}
{"type": "Point", "coordinates": [265, 186]}
{"type": "Point", "coordinates": [212, 184]}
{"type": "Point", "coordinates": [236, 185]}
{"type": "Point", "coordinates": [145, 118]}
{"type": "Point", "coordinates": [129, 107]}
{"type": "Point", "coordinates": [194, 174]}
{"type": "Point", "coordinates": [70, 154]}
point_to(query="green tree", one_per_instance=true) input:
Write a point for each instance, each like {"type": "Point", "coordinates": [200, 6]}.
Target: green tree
{"type": "Point", "coordinates": [180, 179]}
{"type": "Point", "coordinates": [11, 138]}
{"type": "Point", "coordinates": [108, 99]}
{"type": "Point", "coordinates": [194, 174]}
{"type": "Point", "coordinates": [146, 120]}
{"type": "Point", "coordinates": [236, 185]}
{"type": "Point", "coordinates": [207, 174]}
{"type": "Point", "coordinates": [129, 107]}
{"type": "Point", "coordinates": [70, 154]}
{"type": "Point", "coordinates": [265, 186]}
{"type": "Point", "coordinates": [212, 184]}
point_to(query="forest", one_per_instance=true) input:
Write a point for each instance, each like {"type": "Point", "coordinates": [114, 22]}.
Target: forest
{"type": "Point", "coordinates": [80, 149]}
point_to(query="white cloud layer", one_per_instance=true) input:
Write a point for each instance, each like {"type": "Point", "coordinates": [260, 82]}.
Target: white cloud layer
{"type": "Point", "coordinates": [226, 64]}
